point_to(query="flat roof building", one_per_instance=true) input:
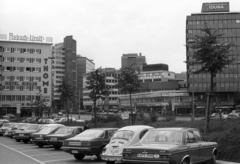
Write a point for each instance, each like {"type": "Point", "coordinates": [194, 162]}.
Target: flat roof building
{"type": "Point", "coordinates": [25, 72]}
{"type": "Point", "coordinates": [134, 60]}
{"type": "Point", "coordinates": [216, 16]}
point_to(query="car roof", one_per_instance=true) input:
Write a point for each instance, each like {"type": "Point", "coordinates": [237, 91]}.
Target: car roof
{"type": "Point", "coordinates": [176, 128]}
{"type": "Point", "coordinates": [135, 127]}
{"type": "Point", "coordinates": [103, 129]}
{"type": "Point", "coordinates": [73, 127]}
{"type": "Point", "coordinates": [54, 125]}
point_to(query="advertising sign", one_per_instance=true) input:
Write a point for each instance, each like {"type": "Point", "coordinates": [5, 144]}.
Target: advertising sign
{"type": "Point", "coordinates": [215, 7]}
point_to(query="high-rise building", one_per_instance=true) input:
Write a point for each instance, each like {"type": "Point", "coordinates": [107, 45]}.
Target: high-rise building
{"type": "Point", "coordinates": [25, 72]}
{"type": "Point", "coordinates": [216, 16]}
{"type": "Point", "coordinates": [84, 65]}
{"type": "Point", "coordinates": [65, 68]}
{"type": "Point", "coordinates": [134, 60]}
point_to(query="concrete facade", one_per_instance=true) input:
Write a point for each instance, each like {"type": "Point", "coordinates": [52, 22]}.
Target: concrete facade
{"type": "Point", "coordinates": [25, 72]}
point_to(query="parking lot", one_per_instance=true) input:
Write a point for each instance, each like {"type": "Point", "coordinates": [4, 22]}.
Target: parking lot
{"type": "Point", "coordinates": [12, 152]}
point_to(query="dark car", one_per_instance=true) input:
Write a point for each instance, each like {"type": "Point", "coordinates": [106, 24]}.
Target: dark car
{"type": "Point", "coordinates": [173, 146]}
{"type": "Point", "coordinates": [25, 135]}
{"type": "Point", "coordinates": [40, 138]}
{"type": "Point", "coordinates": [56, 139]}
{"type": "Point", "coordinates": [89, 142]}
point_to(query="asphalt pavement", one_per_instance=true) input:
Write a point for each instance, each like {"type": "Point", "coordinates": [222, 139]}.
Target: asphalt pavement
{"type": "Point", "coordinates": [12, 152]}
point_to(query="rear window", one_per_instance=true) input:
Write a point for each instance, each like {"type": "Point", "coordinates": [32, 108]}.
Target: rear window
{"type": "Point", "coordinates": [64, 131]}
{"type": "Point", "coordinates": [47, 129]}
{"type": "Point", "coordinates": [91, 133]}
{"type": "Point", "coordinates": [123, 134]}
{"type": "Point", "coordinates": [32, 127]}
{"type": "Point", "coordinates": [6, 125]}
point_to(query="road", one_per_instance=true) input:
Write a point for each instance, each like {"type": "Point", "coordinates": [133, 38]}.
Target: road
{"type": "Point", "coordinates": [12, 152]}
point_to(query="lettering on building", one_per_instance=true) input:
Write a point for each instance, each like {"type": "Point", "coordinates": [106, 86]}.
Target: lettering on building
{"type": "Point", "coordinates": [25, 38]}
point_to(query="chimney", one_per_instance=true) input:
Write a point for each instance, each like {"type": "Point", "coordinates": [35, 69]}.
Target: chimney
{"type": "Point", "coordinates": [140, 54]}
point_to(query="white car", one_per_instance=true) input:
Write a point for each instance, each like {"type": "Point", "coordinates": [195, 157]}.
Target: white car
{"type": "Point", "coordinates": [216, 116]}
{"type": "Point", "coordinates": [234, 114]}
{"type": "Point", "coordinates": [124, 137]}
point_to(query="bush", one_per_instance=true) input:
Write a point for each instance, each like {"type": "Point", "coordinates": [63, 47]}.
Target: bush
{"type": "Point", "coordinates": [153, 116]}
{"type": "Point", "coordinates": [170, 115]}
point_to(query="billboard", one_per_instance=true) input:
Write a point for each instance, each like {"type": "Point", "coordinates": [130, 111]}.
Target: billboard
{"type": "Point", "coordinates": [215, 7]}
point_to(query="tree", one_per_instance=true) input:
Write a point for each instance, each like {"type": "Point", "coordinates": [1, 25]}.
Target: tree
{"type": "Point", "coordinates": [40, 103]}
{"type": "Point", "coordinates": [129, 83]}
{"type": "Point", "coordinates": [211, 56]}
{"type": "Point", "coordinates": [99, 89]}
{"type": "Point", "coordinates": [66, 93]}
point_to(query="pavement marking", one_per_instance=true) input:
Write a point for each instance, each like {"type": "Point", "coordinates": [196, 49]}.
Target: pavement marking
{"type": "Point", "coordinates": [45, 154]}
{"type": "Point", "coordinates": [34, 150]}
{"type": "Point", "coordinates": [23, 147]}
{"type": "Point", "coordinates": [58, 160]}
{"type": "Point", "coordinates": [23, 154]}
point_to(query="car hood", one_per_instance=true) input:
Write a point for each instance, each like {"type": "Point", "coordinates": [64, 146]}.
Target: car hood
{"type": "Point", "coordinates": [80, 138]}
{"type": "Point", "coordinates": [116, 146]}
{"type": "Point", "coordinates": [164, 147]}
{"type": "Point", "coordinates": [4, 128]}
{"type": "Point", "coordinates": [25, 131]}
{"type": "Point", "coordinates": [58, 135]}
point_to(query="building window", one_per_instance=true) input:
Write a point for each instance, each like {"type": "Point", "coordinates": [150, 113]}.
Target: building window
{"type": "Point", "coordinates": [237, 21]}
{"type": "Point", "coordinates": [38, 51]}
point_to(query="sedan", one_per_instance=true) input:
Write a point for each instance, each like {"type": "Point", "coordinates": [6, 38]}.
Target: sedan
{"type": "Point", "coordinates": [4, 128]}
{"type": "Point", "coordinates": [124, 137]}
{"type": "Point", "coordinates": [25, 135]}
{"type": "Point", "coordinates": [89, 142]}
{"type": "Point", "coordinates": [56, 139]}
{"type": "Point", "coordinates": [172, 146]}
{"type": "Point", "coordinates": [40, 138]}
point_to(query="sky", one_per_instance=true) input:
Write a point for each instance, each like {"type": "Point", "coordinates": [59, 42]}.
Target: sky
{"type": "Point", "coordinates": [106, 29]}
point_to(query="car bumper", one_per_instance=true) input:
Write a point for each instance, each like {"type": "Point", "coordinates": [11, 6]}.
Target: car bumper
{"type": "Point", "coordinates": [36, 141]}
{"type": "Point", "coordinates": [111, 157]}
{"type": "Point", "coordinates": [55, 143]}
{"type": "Point", "coordinates": [77, 150]}
{"type": "Point", "coordinates": [150, 162]}
{"type": "Point", "coordinates": [21, 137]}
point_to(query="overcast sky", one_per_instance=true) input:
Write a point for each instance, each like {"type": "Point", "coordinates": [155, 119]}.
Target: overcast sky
{"type": "Point", "coordinates": [106, 29]}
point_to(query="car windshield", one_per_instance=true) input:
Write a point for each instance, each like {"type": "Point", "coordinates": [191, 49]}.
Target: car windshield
{"type": "Point", "coordinates": [32, 127]}
{"type": "Point", "coordinates": [23, 127]}
{"type": "Point", "coordinates": [64, 131]}
{"type": "Point", "coordinates": [6, 125]}
{"type": "Point", "coordinates": [47, 129]}
{"type": "Point", "coordinates": [95, 133]}
{"type": "Point", "coordinates": [17, 125]}
{"type": "Point", "coordinates": [123, 134]}
{"type": "Point", "coordinates": [162, 136]}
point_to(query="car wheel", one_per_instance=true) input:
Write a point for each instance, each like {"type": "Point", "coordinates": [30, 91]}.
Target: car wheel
{"type": "Point", "coordinates": [99, 154]}
{"type": "Point", "coordinates": [185, 161]}
{"type": "Point", "coordinates": [79, 156]}
{"type": "Point", "coordinates": [213, 159]}
{"type": "Point", "coordinates": [18, 140]}
{"type": "Point", "coordinates": [40, 145]}
{"type": "Point", "coordinates": [25, 141]}
{"type": "Point", "coordinates": [57, 147]}
{"type": "Point", "coordinates": [110, 162]}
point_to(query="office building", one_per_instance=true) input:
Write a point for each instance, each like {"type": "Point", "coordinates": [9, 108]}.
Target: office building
{"type": "Point", "coordinates": [84, 65]}
{"type": "Point", "coordinates": [25, 73]}
{"type": "Point", "coordinates": [134, 60]}
{"type": "Point", "coordinates": [64, 68]}
{"type": "Point", "coordinates": [216, 16]}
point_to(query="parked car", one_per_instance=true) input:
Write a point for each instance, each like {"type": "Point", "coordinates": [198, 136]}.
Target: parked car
{"type": "Point", "coordinates": [40, 137]}
{"type": "Point", "coordinates": [12, 131]}
{"type": "Point", "coordinates": [124, 137]}
{"type": "Point", "coordinates": [8, 129]}
{"type": "Point", "coordinates": [216, 116]}
{"type": "Point", "coordinates": [234, 114]}
{"type": "Point", "coordinates": [10, 117]}
{"type": "Point", "coordinates": [56, 139]}
{"type": "Point", "coordinates": [3, 121]}
{"type": "Point", "coordinates": [25, 135]}
{"type": "Point", "coordinates": [89, 142]}
{"type": "Point", "coordinates": [171, 145]}
{"type": "Point", "coordinates": [46, 121]}
{"type": "Point", "coordinates": [4, 128]}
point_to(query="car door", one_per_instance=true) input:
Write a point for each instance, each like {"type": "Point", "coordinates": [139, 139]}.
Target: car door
{"type": "Point", "coordinates": [193, 147]}
{"type": "Point", "coordinates": [205, 148]}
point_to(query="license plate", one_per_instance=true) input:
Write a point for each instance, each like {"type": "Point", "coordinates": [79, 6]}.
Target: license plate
{"type": "Point", "coordinates": [74, 151]}
{"type": "Point", "coordinates": [39, 138]}
{"type": "Point", "coordinates": [115, 149]}
{"type": "Point", "coordinates": [54, 139]}
{"type": "Point", "coordinates": [21, 134]}
{"type": "Point", "coordinates": [145, 155]}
